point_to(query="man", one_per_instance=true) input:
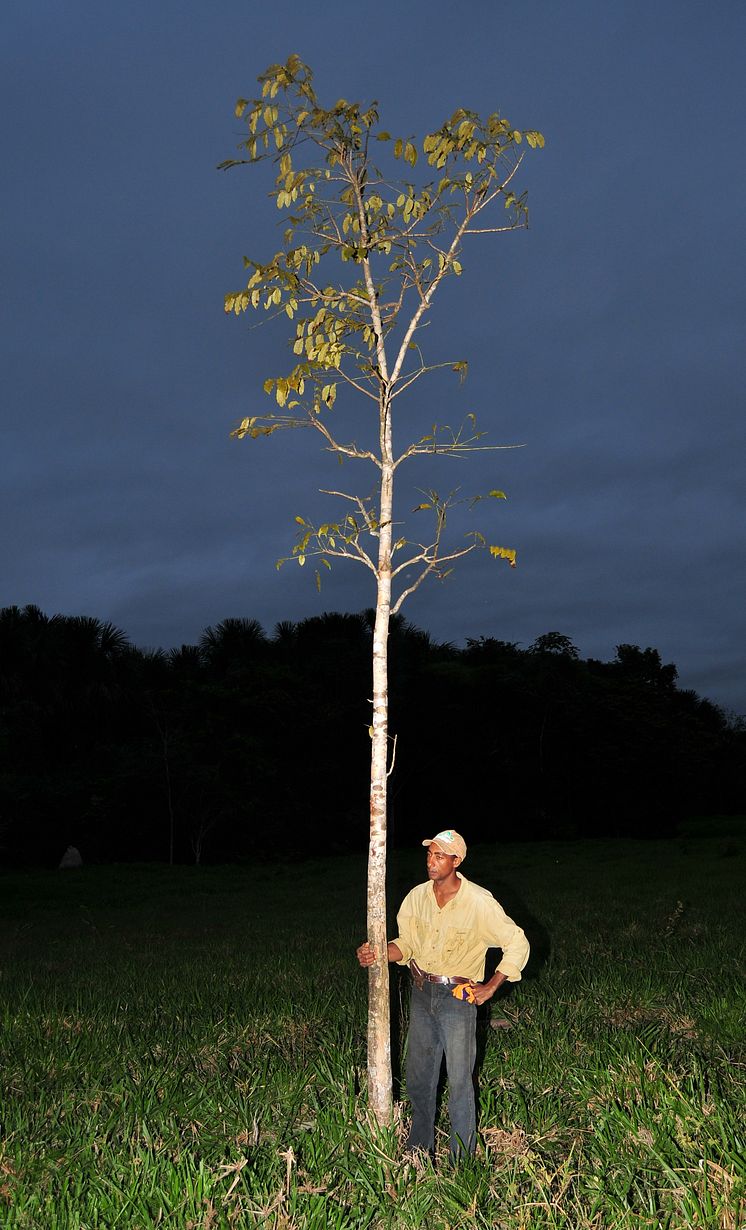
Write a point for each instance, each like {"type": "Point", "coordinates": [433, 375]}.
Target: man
{"type": "Point", "coordinates": [445, 927]}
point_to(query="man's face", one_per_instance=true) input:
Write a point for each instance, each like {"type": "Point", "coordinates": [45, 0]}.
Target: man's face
{"type": "Point", "coordinates": [440, 865]}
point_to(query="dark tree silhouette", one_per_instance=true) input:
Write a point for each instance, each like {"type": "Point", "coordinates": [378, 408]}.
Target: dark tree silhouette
{"type": "Point", "coordinates": [238, 746]}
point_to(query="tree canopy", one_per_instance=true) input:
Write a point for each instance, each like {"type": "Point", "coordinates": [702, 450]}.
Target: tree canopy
{"type": "Point", "coordinates": [368, 243]}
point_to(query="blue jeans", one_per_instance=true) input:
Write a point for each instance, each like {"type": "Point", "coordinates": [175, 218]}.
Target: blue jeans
{"type": "Point", "coordinates": [440, 1023]}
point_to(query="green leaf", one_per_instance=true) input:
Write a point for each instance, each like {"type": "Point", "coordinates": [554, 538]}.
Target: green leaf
{"type": "Point", "coordinates": [498, 495]}
{"type": "Point", "coordinates": [421, 506]}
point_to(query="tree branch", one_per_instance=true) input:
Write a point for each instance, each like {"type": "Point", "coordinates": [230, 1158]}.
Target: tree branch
{"type": "Point", "coordinates": [432, 567]}
{"type": "Point", "coordinates": [349, 450]}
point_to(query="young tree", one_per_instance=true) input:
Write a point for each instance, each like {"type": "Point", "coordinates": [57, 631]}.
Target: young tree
{"type": "Point", "coordinates": [391, 244]}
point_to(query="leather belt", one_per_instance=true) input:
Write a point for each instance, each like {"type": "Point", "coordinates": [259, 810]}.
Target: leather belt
{"type": "Point", "coordinates": [420, 976]}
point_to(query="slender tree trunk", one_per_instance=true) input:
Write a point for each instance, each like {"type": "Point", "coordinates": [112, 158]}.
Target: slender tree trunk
{"type": "Point", "coordinates": [379, 1024]}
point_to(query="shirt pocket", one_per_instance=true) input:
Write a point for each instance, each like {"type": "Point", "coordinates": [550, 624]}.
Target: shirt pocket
{"type": "Point", "coordinates": [455, 944]}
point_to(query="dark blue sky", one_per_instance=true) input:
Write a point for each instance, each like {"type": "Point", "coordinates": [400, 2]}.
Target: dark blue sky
{"type": "Point", "coordinates": [608, 339]}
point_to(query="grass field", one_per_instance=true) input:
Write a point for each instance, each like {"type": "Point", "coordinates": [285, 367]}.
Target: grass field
{"type": "Point", "coordinates": [186, 1048]}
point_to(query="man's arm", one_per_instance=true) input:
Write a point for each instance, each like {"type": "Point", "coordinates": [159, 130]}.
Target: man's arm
{"type": "Point", "coordinates": [500, 931]}
{"type": "Point", "coordinates": [367, 955]}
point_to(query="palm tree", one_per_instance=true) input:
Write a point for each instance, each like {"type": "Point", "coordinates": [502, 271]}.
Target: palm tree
{"type": "Point", "coordinates": [232, 644]}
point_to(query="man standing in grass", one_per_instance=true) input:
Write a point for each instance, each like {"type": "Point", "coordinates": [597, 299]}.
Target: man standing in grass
{"type": "Point", "coordinates": [445, 927]}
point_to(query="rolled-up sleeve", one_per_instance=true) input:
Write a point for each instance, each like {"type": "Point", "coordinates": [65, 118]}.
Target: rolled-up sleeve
{"type": "Point", "coordinates": [502, 932]}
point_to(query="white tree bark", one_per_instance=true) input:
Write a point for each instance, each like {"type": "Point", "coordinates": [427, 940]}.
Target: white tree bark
{"type": "Point", "coordinates": [379, 1025]}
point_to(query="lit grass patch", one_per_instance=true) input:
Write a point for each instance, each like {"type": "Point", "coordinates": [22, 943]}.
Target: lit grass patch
{"type": "Point", "coordinates": [187, 1049]}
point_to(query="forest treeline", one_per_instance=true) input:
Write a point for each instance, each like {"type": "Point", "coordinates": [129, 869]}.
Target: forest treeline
{"type": "Point", "coordinates": [251, 745]}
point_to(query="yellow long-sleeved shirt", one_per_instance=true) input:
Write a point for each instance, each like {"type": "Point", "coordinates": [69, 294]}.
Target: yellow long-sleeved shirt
{"type": "Point", "coordinates": [454, 940]}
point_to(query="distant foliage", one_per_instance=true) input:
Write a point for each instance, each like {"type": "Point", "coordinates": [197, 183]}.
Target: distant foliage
{"type": "Point", "coordinates": [221, 745]}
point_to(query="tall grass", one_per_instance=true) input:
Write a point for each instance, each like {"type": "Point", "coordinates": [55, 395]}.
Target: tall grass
{"type": "Point", "coordinates": [186, 1049]}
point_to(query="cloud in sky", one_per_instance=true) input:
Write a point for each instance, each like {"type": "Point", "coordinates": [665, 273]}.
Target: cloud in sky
{"type": "Point", "coordinates": [608, 340]}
